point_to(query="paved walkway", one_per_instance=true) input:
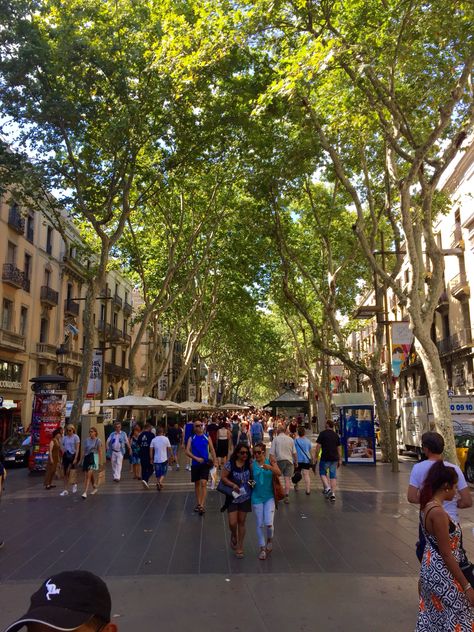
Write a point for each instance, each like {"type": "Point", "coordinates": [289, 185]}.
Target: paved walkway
{"type": "Point", "coordinates": [347, 566]}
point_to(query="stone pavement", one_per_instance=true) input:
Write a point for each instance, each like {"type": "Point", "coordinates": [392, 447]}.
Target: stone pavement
{"type": "Point", "coordinates": [347, 566]}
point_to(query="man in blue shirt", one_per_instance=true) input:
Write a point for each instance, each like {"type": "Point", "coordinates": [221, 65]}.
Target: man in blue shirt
{"type": "Point", "coordinates": [256, 431]}
{"type": "Point", "coordinates": [199, 448]}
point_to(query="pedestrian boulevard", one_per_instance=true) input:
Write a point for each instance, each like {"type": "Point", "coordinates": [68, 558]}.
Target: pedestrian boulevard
{"type": "Point", "coordinates": [352, 561]}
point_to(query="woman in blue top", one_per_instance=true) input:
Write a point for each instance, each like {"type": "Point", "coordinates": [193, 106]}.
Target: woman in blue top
{"type": "Point", "coordinates": [237, 474]}
{"type": "Point", "coordinates": [263, 499]}
{"type": "Point", "coordinates": [303, 450]}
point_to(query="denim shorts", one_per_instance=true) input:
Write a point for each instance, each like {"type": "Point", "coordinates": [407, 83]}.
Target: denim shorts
{"type": "Point", "coordinates": [161, 469]}
{"type": "Point", "coordinates": [324, 466]}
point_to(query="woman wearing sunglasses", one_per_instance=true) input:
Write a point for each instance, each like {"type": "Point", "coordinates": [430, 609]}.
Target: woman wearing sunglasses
{"type": "Point", "coordinates": [263, 499]}
{"type": "Point", "coordinates": [237, 474]}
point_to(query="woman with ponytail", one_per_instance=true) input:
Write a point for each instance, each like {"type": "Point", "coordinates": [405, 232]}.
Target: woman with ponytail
{"type": "Point", "coordinates": [446, 596]}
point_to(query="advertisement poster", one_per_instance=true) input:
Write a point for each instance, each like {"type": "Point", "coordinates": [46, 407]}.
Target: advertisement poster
{"type": "Point", "coordinates": [49, 410]}
{"type": "Point", "coordinates": [402, 339]}
{"type": "Point", "coordinates": [95, 376]}
{"type": "Point", "coordinates": [336, 371]}
{"type": "Point", "coordinates": [359, 435]}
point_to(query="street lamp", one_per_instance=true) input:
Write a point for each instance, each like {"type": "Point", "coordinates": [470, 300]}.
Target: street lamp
{"type": "Point", "coordinates": [61, 353]}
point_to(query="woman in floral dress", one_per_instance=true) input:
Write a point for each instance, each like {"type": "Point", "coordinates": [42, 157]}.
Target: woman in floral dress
{"type": "Point", "coordinates": [446, 596]}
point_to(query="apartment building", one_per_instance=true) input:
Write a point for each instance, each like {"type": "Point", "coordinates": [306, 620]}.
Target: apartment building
{"type": "Point", "coordinates": [452, 329]}
{"type": "Point", "coordinates": [43, 284]}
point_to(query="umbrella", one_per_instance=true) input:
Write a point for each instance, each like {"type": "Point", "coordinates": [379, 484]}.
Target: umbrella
{"type": "Point", "coordinates": [233, 407]}
{"type": "Point", "coordinates": [137, 401]}
{"type": "Point", "coordinates": [187, 405]}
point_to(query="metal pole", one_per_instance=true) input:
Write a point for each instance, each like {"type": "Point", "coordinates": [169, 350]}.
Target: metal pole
{"type": "Point", "coordinates": [388, 342]}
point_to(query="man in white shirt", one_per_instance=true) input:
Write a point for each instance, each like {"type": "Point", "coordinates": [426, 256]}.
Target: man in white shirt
{"type": "Point", "coordinates": [284, 451]}
{"type": "Point", "coordinates": [432, 444]}
{"type": "Point", "coordinates": [160, 454]}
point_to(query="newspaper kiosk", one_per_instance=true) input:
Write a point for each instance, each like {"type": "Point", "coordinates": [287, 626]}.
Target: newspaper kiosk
{"type": "Point", "coordinates": [357, 427]}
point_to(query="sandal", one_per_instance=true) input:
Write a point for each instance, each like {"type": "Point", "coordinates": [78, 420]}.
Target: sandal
{"type": "Point", "coordinates": [262, 555]}
{"type": "Point", "coordinates": [269, 547]}
{"type": "Point", "coordinates": [239, 554]}
{"type": "Point", "coordinates": [196, 508]}
{"type": "Point", "coordinates": [201, 511]}
{"type": "Point", "coordinates": [233, 542]}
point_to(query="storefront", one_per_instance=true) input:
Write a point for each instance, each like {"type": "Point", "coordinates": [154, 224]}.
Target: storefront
{"type": "Point", "coordinates": [12, 398]}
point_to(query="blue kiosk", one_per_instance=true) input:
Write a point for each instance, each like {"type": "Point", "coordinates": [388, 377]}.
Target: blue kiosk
{"type": "Point", "coordinates": [357, 427]}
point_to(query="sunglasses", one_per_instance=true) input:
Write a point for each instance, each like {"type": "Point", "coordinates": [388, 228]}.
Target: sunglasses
{"type": "Point", "coordinates": [258, 451]}
{"type": "Point", "coordinates": [244, 453]}
{"type": "Point", "coordinates": [198, 425]}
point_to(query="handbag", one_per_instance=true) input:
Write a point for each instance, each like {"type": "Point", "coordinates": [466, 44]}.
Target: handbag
{"type": "Point", "coordinates": [297, 476]}
{"type": "Point", "coordinates": [224, 489]}
{"type": "Point", "coordinates": [278, 491]}
{"type": "Point", "coordinates": [88, 460]}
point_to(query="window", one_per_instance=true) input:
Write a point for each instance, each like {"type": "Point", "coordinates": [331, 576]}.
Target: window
{"type": "Point", "coordinates": [115, 320]}
{"type": "Point", "coordinates": [69, 291]}
{"type": "Point", "coordinates": [30, 227]}
{"type": "Point", "coordinates": [10, 371]}
{"type": "Point", "coordinates": [44, 330]}
{"type": "Point", "coordinates": [47, 277]}
{"type": "Point", "coordinates": [7, 314]}
{"type": "Point", "coordinates": [102, 312]}
{"type": "Point", "coordinates": [125, 326]}
{"type": "Point", "coordinates": [124, 358]}
{"type": "Point", "coordinates": [114, 355]}
{"type": "Point", "coordinates": [49, 240]}
{"type": "Point", "coordinates": [27, 266]}
{"type": "Point", "coordinates": [23, 320]}
{"type": "Point", "coordinates": [11, 253]}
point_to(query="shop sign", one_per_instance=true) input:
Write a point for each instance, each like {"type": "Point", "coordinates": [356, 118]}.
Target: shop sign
{"type": "Point", "coordinates": [8, 384]}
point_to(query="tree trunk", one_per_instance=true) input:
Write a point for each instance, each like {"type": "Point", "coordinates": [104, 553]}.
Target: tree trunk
{"type": "Point", "coordinates": [93, 286]}
{"type": "Point", "coordinates": [384, 419]}
{"type": "Point", "coordinates": [438, 392]}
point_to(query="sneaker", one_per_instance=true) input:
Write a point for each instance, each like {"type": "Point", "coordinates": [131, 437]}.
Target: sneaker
{"type": "Point", "coordinates": [145, 485]}
{"type": "Point", "coordinates": [332, 497]}
{"type": "Point", "coordinates": [177, 467]}
{"type": "Point", "coordinates": [84, 495]}
{"type": "Point", "coordinates": [74, 488]}
{"type": "Point", "coordinates": [94, 491]}
{"type": "Point", "coordinates": [64, 493]}
{"type": "Point", "coordinates": [188, 468]}
{"type": "Point", "coordinates": [326, 492]}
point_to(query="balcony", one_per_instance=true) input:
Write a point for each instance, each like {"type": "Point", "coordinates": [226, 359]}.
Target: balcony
{"type": "Point", "coordinates": [117, 301]}
{"type": "Point", "coordinates": [116, 370]}
{"type": "Point", "coordinates": [71, 308]}
{"type": "Point", "coordinates": [116, 334]}
{"type": "Point", "coordinates": [456, 239]}
{"type": "Point", "coordinates": [73, 358]}
{"type": "Point", "coordinates": [459, 287]}
{"type": "Point", "coordinates": [11, 341]}
{"type": "Point", "coordinates": [105, 293]}
{"type": "Point", "coordinates": [460, 340]}
{"type": "Point", "coordinates": [46, 350]}
{"type": "Point", "coordinates": [75, 267]}
{"type": "Point", "coordinates": [127, 338]}
{"type": "Point", "coordinates": [127, 309]}
{"type": "Point", "coordinates": [14, 276]}
{"type": "Point", "coordinates": [16, 221]}
{"type": "Point", "coordinates": [104, 328]}
{"type": "Point", "coordinates": [443, 302]}
{"type": "Point", "coordinates": [48, 296]}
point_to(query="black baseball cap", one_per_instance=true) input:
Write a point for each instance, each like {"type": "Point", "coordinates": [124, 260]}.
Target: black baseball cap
{"type": "Point", "coordinates": [66, 601]}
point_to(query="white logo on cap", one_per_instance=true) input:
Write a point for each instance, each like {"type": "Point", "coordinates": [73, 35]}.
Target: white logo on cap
{"type": "Point", "coordinates": [52, 590]}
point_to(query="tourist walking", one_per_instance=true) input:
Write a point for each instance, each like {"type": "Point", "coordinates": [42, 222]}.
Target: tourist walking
{"type": "Point", "coordinates": [202, 454]}
{"type": "Point", "coordinates": [92, 461]}
{"type": "Point", "coordinates": [432, 444]}
{"type": "Point", "coordinates": [329, 444]}
{"type": "Point", "coordinates": [188, 432]}
{"type": "Point", "coordinates": [303, 451]}
{"type": "Point", "coordinates": [263, 499]}
{"type": "Point", "coordinates": [117, 444]}
{"type": "Point", "coordinates": [146, 464]}
{"type": "Point", "coordinates": [446, 597]}
{"type": "Point", "coordinates": [175, 435]}
{"type": "Point", "coordinates": [235, 430]}
{"type": "Point", "coordinates": [284, 451]}
{"type": "Point", "coordinates": [135, 451]}
{"type": "Point", "coordinates": [256, 431]}
{"type": "Point", "coordinates": [160, 455]}
{"type": "Point", "coordinates": [244, 434]}
{"type": "Point", "coordinates": [54, 456]}
{"type": "Point", "coordinates": [71, 445]}
{"type": "Point", "coordinates": [237, 473]}
{"type": "Point", "coordinates": [224, 442]}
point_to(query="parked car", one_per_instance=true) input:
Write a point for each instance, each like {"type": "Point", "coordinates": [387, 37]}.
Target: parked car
{"type": "Point", "coordinates": [465, 452]}
{"type": "Point", "coordinates": [16, 451]}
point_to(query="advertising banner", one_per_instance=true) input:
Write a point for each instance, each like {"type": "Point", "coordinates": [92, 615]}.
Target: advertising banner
{"type": "Point", "coordinates": [358, 433]}
{"type": "Point", "coordinates": [336, 372]}
{"type": "Point", "coordinates": [95, 376]}
{"type": "Point", "coordinates": [49, 412]}
{"type": "Point", "coordinates": [402, 340]}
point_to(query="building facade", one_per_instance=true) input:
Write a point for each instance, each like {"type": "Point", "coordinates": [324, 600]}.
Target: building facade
{"type": "Point", "coordinates": [43, 284]}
